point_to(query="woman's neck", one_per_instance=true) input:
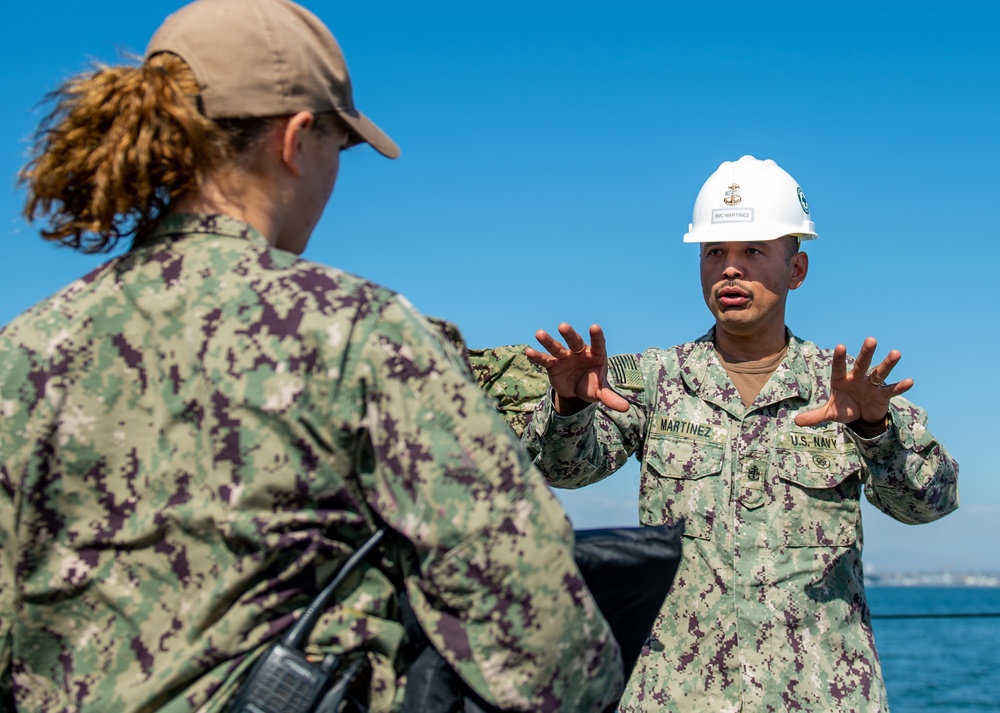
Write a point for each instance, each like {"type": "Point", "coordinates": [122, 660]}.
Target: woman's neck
{"type": "Point", "coordinates": [241, 197]}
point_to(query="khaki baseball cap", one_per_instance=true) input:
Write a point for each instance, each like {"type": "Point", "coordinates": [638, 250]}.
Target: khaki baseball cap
{"type": "Point", "coordinates": [264, 58]}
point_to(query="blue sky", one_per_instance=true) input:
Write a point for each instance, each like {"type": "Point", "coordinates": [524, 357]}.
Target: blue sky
{"type": "Point", "coordinates": [552, 152]}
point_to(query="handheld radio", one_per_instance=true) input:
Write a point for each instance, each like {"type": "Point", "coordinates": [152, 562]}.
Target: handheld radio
{"type": "Point", "coordinates": [284, 680]}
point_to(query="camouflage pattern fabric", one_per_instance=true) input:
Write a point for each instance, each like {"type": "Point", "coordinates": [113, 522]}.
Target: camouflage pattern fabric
{"type": "Point", "coordinates": [768, 610]}
{"type": "Point", "coordinates": [514, 383]}
{"type": "Point", "coordinates": [196, 435]}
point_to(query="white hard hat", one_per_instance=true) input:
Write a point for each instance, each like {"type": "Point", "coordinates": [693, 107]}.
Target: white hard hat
{"type": "Point", "coordinates": [749, 200]}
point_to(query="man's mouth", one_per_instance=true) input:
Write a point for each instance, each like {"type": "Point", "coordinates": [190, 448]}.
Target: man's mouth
{"type": "Point", "coordinates": [731, 296]}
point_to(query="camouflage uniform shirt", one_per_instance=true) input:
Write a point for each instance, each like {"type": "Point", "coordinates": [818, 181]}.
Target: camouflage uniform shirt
{"type": "Point", "coordinates": [197, 434]}
{"type": "Point", "coordinates": [768, 611]}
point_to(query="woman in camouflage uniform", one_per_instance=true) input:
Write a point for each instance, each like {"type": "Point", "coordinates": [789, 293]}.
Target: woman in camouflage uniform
{"type": "Point", "coordinates": [198, 433]}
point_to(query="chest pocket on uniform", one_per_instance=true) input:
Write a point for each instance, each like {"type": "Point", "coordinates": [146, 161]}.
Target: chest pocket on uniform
{"type": "Point", "coordinates": [818, 488]}
{"type": "Point", "coordinates": [681, 478]}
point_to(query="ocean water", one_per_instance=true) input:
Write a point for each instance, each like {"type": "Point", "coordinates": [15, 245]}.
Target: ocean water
{"type": "Point", "coordinates": [944, 663]}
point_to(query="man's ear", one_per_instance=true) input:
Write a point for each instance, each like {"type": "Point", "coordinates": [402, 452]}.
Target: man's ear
{"type": "Point", "coordinates": [800, 267]}
{"type": "Point", "coordinates": [294, 141]}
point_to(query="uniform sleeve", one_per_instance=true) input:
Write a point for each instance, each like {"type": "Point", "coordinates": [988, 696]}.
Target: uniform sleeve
{"type": "Point", "coordinates": [496, 588]}
{"type": "Point", "coordinates": [909, 475]}
{"type": "Point", "coordinates": [588, 446]}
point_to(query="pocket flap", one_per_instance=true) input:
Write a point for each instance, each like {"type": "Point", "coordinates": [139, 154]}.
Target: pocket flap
{"type": "Point", "coordinates": [816, 459]}
{"type": "Point", "coordinates": [683, 458]}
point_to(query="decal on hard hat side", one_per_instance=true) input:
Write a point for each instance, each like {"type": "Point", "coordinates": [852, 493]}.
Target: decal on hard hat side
{"type": "Point", "coordinates": [802, 200]}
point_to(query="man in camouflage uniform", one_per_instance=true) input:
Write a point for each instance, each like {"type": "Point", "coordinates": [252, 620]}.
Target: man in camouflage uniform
{"type": "Point", "coordinates": [198, 434]}
{"type": "Point", "coordinates": [762, 443]}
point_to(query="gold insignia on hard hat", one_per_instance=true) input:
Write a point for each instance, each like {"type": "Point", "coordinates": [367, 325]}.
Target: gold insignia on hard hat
{"type": "Point", "coordinates": [733, 195]}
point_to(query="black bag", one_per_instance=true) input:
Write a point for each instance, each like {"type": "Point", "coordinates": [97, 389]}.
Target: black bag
{"type": "Point", "coordinates": [629, 570]}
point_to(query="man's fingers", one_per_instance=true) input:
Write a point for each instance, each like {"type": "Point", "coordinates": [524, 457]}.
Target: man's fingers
{"type": "Point", "coordinates": [598, 345]}
{"type": "Point", "coordinates": [538, 358]}
{"type": "Point", "coordinates": [610, 398]}
{"type": "Point", "coordinates": [552, 345]}
{"type": "Point", "coordinates": [879, 375]}
{"type": "Point", "coordinates": [574, 342]}
{"type": "Point", "coordinates": [888, 364]}
{"type": "Point", "coordinates": [838, 369]}
{"type": "Point", "coordinates": [813, 417]}
{"type": "Point", "coordinates": [900, 387]}
{"type": "Point", "coordinates": [864, 358]}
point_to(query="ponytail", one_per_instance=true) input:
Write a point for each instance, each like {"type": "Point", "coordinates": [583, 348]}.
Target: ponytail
{"type": "Point", "coordinates": [119, 145]}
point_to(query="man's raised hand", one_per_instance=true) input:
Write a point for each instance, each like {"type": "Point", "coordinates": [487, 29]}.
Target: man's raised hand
{"type": "Point", "coordinates": [858, 394]}
{"type": "Point", "coordinates": [578, 372]}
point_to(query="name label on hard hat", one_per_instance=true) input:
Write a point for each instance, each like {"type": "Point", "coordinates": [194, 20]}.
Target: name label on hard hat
{"type": "Point", "coordinates": [732, 215]}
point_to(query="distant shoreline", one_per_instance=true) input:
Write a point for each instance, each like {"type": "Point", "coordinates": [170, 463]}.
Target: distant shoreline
{"type": "Point", "coordinates": [932, 579]}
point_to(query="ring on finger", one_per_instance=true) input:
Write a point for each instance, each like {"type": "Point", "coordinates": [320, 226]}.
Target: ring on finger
{"type": "Point", "coordinates": [580, 350]}
{"type": "Point", "coordinates": [871, 378]}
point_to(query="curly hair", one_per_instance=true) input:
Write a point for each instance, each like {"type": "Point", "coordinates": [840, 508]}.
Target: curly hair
{"type": "Point", "coordinates": [119, 145]}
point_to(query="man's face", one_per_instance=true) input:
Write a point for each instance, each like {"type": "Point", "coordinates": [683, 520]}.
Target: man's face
{"type": "Point", "coordinates": [745, 284]}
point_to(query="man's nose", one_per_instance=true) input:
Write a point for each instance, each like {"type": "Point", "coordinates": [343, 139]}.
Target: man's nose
{"type": "Point", "coordinates": [732, 272]}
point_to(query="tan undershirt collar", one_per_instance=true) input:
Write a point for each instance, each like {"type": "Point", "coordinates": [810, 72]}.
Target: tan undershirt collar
{"type": "Point", "coordinates": [749, 377]}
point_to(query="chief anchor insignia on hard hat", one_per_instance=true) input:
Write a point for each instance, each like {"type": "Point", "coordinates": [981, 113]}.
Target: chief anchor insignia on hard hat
{"type": "Point", "coordinates": [733, 195]}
